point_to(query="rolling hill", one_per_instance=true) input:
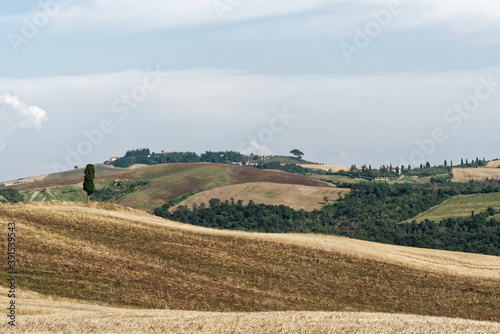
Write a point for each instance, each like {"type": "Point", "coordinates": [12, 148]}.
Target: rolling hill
{"type": "Point", "coordinates": [295, 196]}
{"type": "Point", "coordinates": [461, 206]}
{"type": "Point", "coordinates": [115, 256]}
{"type": "Point", "coordinates": [167, 181]}
{"type": "Point", "coordinates": [493, 164]}
{"type": "Point", "coordinates": [477, 174]}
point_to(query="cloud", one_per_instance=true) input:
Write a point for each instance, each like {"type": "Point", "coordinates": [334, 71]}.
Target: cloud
{"type": "Point", "coordinates": [457, 18]}
{"type": "Point", "coordinates": [367, 116]}
{"type": "Point", "coordinates": [257, 148]}
{"type": "Point", "coordinates": [451, 18]}
{"type": "Point", "coordinates": [154, 14]}
{"type": "Point", "coordinates": [16, 115]}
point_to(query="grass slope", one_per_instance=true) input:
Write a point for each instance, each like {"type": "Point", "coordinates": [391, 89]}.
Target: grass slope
{"type": "Point", "coordinates": [171, 181]}
{"type": "Point", "coordinates": [460, 206]}
{"type": "Point", "coordinates": [43, 315]}
{"type": "Point", "coordinates": [99, 170]}
{"type": "Point", "coordinates": [122, 257]}
{"type": "Point", "coordinates": [478, 174]}
{"type": "Point", "coordinates": [493, 164]}
{"type": "Point", "coordinates": [294, 196]}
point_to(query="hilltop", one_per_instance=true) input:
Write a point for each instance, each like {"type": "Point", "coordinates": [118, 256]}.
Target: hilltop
{"type": "Point", "coordinates": [166, 182]}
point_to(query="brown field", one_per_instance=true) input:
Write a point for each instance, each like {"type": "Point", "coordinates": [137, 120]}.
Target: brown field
{"type": "Point", "coordinates": [115, 256]}
{"type": "Point", "coordinates": [326, 167]}
{"type": "Point", "coordinates": [170, 181]}
{"type": "Point", "coordinates": [493, 164]}
{"type": "Point", "coordinates": [39, 314]}
{"type": "Point", "coordinates": [27, 180]}
{"type": "Point", "coordinates": [478, 174]}
{"type": "Point", "coordinates": [295, 196]}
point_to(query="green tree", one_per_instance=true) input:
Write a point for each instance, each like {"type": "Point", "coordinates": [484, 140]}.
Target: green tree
{"type": "Point", "coordinates": [297, 153]}
{"type": "Point", "coordinates": [88, 180]}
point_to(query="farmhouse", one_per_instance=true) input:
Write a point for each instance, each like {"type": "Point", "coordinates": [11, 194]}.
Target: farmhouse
{"type": "Point", "coordinates": [111, 160]}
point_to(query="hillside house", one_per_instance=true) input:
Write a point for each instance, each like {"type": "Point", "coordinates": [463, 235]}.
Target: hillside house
{"type": "Point", "coordinates": [111, 160]}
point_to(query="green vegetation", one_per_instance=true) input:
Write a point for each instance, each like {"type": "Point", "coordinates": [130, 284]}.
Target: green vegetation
{"type": "Point", "coordinates": [289, 168]}
{"type": "Point", "coordinates": [117, 189]}
{"type": "Point", "coordinates": [297, 154]}
{"type": "Point", "coordinates": [88, 180]}
{"type": "Point", "coordinates": [10, 195]}
{"type": "Point", "coordinates": [138, 152]}
{"type": "Point", "coordinates": [140, 157]}
{"type": "Point", "coordinates": [143, 156]}
{"type": "Point", "coordinates": [430, 171]}
{"type": "Point", "coordinates": [372, 211]}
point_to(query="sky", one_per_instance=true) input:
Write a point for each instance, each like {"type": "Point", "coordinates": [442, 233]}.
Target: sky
{"type": "Point", "coordinates": [373, 82]}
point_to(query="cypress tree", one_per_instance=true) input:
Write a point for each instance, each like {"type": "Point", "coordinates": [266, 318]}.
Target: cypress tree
{"type": "Point", "coordinates": [88, 180]}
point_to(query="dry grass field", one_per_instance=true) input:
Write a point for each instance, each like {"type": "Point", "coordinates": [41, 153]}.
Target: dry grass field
{"type": "Point", "coordinates": [41, 314]}
{"type": "Point", "coordinates": [479, 174]}
{"type": "Point", "coordinates": [26, 180]}
{"type": "Point", "coordinates": [493, 164]}
{"type": "Point", "coordinates": [145, 274]}
{"type": "Point", "coordinates": [295, 196]}
{"type": "Point", "coordinates": [326, 167]}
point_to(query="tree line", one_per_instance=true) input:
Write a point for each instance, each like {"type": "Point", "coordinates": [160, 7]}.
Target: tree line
{"type": "Point", "coordinates": [144, 156]}
{"type": "Point", "coordinates": [372, 211]}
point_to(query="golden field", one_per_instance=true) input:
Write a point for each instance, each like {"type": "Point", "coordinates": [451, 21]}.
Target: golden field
{"type": "Point", "coordinates": [141, 273]}
{"type": "Point", "coordinates": [295, 196]}
{"type": "Point", "coordinates": [477, 174]}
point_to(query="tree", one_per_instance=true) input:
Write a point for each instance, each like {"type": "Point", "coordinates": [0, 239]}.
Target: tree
{"type": "Point", "coordinates": [297, 153]}
{"type": "Point", "coordinates": [88, 180]}
{"type": "Point", "coordinates": [326, 199]}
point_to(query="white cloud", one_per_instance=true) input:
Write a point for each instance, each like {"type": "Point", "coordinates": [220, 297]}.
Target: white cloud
{"type": "Point", "coordinates": [452, 18]}
{"type": "Point", "coordinates": [376, 115]}
{"type": "Point", "coordinates": [131, 15]}
{"type": "Point", "coordinates": [257, 148]}
{"type": "Point", "coordinates": [16, 115]}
